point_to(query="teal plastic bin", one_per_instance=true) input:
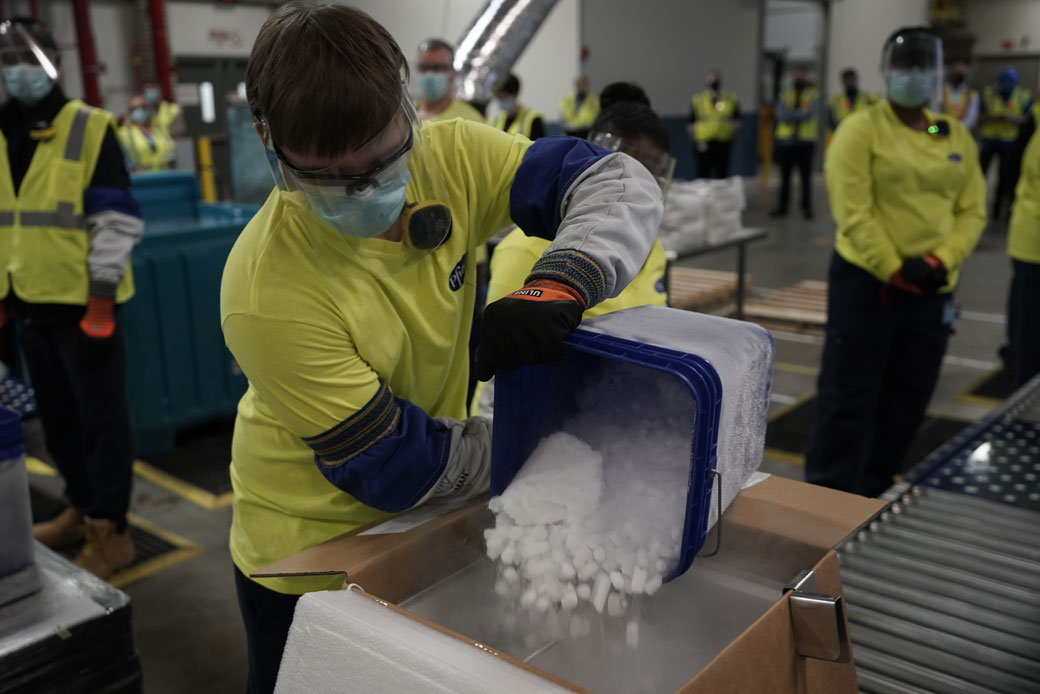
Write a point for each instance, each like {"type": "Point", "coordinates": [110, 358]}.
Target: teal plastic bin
{"type": "Point", "coordinates": [167, 196]}
{"type": "Point", "coordinates": [179, 373]}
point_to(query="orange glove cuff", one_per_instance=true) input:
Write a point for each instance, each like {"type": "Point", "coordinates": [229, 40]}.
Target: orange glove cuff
{"type": "Point", "coordinates": [932, 260]}
{"type": "Point", "coordinates": [548, 290]}
{"type": "Point", "coordinates": [99, 321]}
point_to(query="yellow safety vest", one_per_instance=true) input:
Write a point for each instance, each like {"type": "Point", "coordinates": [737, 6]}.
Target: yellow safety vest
{"type": "Point", "coordinates": [955, 104]}
{"type": "Point", "coordinates": [521, 124]}
{"type": "Point", "coordinates": [43, 232]}
{"type": "Point", "coordinates": [842, 107]}
{"type": "Point", "coordinates": [714, 118]}
{"type": "Point", "coordinates": [164, 117]}
{"type": "Point", "coordinates": [579, 118]}
{"type": "Point", "coordinates": [806, 130]}
{"type": "Point", "coordinates": [146, 154]}
{"type": "Point", "coordinates": [996, 106]}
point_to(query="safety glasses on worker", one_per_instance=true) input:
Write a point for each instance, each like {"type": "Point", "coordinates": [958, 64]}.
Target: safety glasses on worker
{"type": "Point", "coordinates": [911, 63]}
{"type": "Point", "coordinates": [657, 161]}
{"type": "Point", "coordinates": [29, 71]}
{"type": "Point", "coordinates": [359, 174]}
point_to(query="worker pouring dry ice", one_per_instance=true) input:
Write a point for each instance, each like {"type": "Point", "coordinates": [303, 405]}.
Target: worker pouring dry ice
{"type": "Point", "coordinates": [631, 127]}
{"type": "Point", "coordinates": [909, 202]}
{"type": "Point", "coordinates": [67, 226]}
{"type": "Point", "coordinates": [347, 299]}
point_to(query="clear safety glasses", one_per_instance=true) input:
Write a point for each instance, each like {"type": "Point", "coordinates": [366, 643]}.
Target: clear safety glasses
{"type": "Point", "coordinates": [657, 161]}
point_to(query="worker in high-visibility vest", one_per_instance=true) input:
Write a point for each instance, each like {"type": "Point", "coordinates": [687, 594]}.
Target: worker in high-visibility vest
{"type": "Point", "coordinates": [167, 120]}
{"type": "Point", "coordinates": [714, 120]}
{"type": "Point", "coordinates": [850, 99]}
{"type": "Point", "coordinates": [909, 204]}
{"type": "Point", "coordinates": [147, 148]}
{"type": "Point", "coordinates": [797, 114]}
{"type": "Point", "coordinates": [436, 81]}
{"type": "Point", "coordinates": [960, 100]}
{"type": "Point", "coordinates": [1023, 247]}
{"type": "Point", "coordinates": [510, 115]}
{"type": "Point", "coordinates": [579, 109]}
{"type": "Point", "coordinates": [1005, 109]}
{"type": "Point", "coordinates": [68, 224]}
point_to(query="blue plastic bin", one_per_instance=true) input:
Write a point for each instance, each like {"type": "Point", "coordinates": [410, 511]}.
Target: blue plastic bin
{"type": "Point", "coordinates": [531, 403]}
{"type": "Point", "coordinates": [179, 372]}
{"type": "Point", "coordinates": [16, 545]}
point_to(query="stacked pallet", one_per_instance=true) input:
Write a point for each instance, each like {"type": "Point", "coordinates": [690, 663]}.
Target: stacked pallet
{"type": "Point", "coordinates": [801, 308]}
{"type": "Point", "coordinates": [702, 290]}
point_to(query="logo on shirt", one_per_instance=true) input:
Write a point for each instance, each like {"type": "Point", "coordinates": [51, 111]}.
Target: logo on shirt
{"type": "Point", "coordinates": [660, 286]}
{"type": "Point", "coordinates": [458, 275]}
{"type": "Point", "coordinates": [955, 157]}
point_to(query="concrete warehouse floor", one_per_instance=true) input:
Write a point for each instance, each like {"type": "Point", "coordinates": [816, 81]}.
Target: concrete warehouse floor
{"type": "Point", "coordinates": [186, 620]}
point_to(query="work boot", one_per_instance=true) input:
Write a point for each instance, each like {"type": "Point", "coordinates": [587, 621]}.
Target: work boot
{"type": "Point", "coordinates": [61, 531]}
{"type": "Point", "coordinates": [106, 551]}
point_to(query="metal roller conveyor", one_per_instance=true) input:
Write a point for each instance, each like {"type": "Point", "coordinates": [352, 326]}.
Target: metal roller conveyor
{"type": "Point", "coordinates": [984, 674]}
{"type": "Point", "coordinates": [943, 588]}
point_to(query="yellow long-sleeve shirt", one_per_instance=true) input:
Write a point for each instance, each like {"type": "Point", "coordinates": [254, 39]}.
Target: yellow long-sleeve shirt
{"type": "Point", "coordinates": [897, 193]}
{"type": "Point", "coordinates": [1024, 230]}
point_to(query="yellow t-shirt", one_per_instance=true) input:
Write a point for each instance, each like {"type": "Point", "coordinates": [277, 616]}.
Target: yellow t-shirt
{"type": "Point", "coordinates": [316, 333]}
{"type": "Point", "coordinates": [897, 193]}
{"type": "Point", "coordinates": [458, 109]}
{"type": "Point", "coordinates": [517, 253]}
{"type": "Point", "coordinates": [1024, 228]}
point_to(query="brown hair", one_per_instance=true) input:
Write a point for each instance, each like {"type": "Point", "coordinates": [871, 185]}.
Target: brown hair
{"type": "Point", "coordinates": [325, 78]}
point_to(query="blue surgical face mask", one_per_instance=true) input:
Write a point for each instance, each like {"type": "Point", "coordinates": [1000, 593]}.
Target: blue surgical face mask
{"type": "Point", "coordinates": [27, 84]}
{"type": "Point", "coordinates": [503, 105]}
{"type": "Point", "coordinates": [912, 88]}
{"type": "Point", "coordinates": [139, 115]}
{"type": "Point", "coordinates": [363, 218]}
{"type": "Point", "coordinates": [151, 96]}
{"type": "Point", "coordinates": [433, 85]}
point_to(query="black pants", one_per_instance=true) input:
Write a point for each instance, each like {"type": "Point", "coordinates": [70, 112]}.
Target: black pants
{"type": "Point", "coordinates": [881, 361]}
{"type": "Point", "coordinates": [1024, 321]}
{"type": "Point", "coordinates": [790, 155]}
{"type": "Point", "coordinates": [712, 159]}
{"type": "Point", "coordinates": [81, 399]}
{"type": "Point", "coordinates": [1009, 167]}
{"type": "Point", "coordinates": [267, 615]}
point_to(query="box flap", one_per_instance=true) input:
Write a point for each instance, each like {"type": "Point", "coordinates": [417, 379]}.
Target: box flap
{"type": "Point", "coordinates": [806, 513]}
{"type": "Point", "coordinates": [395, 564]}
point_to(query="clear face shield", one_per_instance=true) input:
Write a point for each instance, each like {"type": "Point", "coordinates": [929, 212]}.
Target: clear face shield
{"type": "Point", "coordinates": [29, 71]}
{"type": "Point", "coordinates": [658, 162]}
{"type": "Point", "coordinates": [912, 67]}
{"type": "Point", "coordinates": [364, 193]}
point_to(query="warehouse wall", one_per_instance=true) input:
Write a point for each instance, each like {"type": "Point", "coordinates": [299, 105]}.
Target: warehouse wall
{"type": "Point", "coordinates": [992, 21]}
{"type": "Point", "coordinates": [858, 31]}
{"type": "Point", "coordinates": [667, 46]}
{"type": "Point", "coordinates": [795, 27]}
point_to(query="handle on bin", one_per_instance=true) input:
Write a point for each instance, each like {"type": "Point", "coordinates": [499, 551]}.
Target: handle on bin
{"type": "Point", "coordinates": [818, 621]}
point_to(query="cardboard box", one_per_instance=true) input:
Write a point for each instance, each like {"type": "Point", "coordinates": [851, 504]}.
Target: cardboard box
{"type": "Point", "coordinates": [770, 533]}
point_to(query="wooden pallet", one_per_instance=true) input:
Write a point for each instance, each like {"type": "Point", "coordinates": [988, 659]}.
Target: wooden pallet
{"type": "Point", "coordinates": [694, 289]}
{"type": "Point", "coordinates": [802, 306]}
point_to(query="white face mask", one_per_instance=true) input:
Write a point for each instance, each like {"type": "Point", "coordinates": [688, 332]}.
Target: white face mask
{"type": "Point", "coordinates": [27, 84]}
{"type": "Point", "coordinates": [912, 88]}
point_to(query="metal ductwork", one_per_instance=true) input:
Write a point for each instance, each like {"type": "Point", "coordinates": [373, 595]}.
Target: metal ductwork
{"type": "Point", "coordinates": [492, 43]}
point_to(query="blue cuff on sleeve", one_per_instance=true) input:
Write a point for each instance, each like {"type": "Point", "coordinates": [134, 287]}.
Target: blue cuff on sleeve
{"type": "Point", "coordinates": [97, 199]}
{"type": "Point", "coordinates": [549, 169]}
{"type": "Point", "coordinates": [387, 456]}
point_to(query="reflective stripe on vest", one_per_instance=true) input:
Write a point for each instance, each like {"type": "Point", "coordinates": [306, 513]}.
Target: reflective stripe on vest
{"type": "Point", "coordinates": [6, 219]}
{"type": "Point", "coordinates": [841, 107]}
{"type": "Point", "coordinates": [64, 217]}
{"type": "Point", "coordinates": [1015, 105]}
{"type": "Point", "coordinates": [583, 117]}
{"type": "Point", "coordinates": [522, 123]}
{"type": "Point", "coordinates": [804, 130]}
{"type": "Point", "coordinates": [714, 118]}
{"type": "Point", "coordinates": [955, 103]}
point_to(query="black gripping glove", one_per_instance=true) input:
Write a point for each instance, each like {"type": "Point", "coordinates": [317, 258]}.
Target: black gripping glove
{"type": "Point", "coordinates": [927, 273]}
{"type": "Point", "coordinates": [530, 326]}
